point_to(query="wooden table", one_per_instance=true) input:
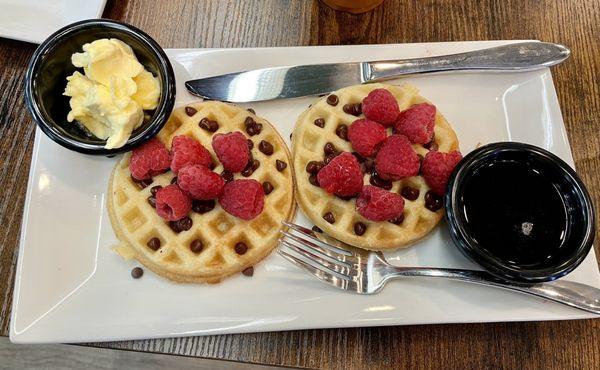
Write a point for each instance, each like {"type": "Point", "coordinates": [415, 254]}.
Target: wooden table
{"type": "Point", "coordinates": [250, 23]}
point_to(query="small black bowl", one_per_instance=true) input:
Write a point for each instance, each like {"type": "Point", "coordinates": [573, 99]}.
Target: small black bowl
{"type": "Point", "coordinates": [50, 65]}
{"type": "Point", "coordinates": [520, 212]}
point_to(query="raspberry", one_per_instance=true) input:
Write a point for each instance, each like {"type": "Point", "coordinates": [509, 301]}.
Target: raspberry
{"type": "Point", "coordinates": [364, 136]}
{"type": "Point", "coordinates": [342, 176]}
{"type": "Point", "coordinates": [396, 159]}
{"type": "Point", "coordinates": [172, 203]}
{"type": "Point", "coordinates": [243, 198]}
{"type": "Point", "coordinates": [149, 159]}
{"type": "Point", "coordinates": [186, 151]}
{"type": "Point", "coordinates": [381, 106]}
{"type": "Point", "coordinates": [200, 182]}
{"type": "Point", "coordinates": [376, 204]}
{"type": "Point", "coordinates": [437, 167]}
{"type": "Point", "coordinates": [232, 150]}
{"type": "Point", "coordinates": [416, 123]}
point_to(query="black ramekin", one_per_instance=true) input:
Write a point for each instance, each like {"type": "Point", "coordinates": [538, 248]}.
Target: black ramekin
{"type": "Point", "coordinates": [580, 213]}
{"type": "Point", "coordinates": [50, 65]}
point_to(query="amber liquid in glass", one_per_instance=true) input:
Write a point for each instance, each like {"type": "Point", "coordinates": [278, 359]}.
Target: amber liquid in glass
{"type": "Point", "coordinates": [353, 6]}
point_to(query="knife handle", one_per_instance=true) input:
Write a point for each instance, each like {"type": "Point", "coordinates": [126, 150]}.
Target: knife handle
{"type": "Point", "coordinates": [511, 57]}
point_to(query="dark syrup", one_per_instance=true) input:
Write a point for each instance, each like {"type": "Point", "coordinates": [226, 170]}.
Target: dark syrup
{"type": "Point", "coordinates": [515, 213]}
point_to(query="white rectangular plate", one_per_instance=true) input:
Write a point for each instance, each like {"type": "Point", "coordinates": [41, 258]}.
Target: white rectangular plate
{"type": "Point", "coordinates": [35, 20]}
{"type": "Point", "coordinates": [71, 287]}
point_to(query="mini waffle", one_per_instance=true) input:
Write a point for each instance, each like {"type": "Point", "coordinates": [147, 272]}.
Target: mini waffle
{"type": "Point", "coordinates": [308, 142]}
{"type": "Point", "coordinates": [135, 221]}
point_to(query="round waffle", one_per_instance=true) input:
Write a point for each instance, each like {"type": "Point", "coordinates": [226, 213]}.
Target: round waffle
{"type": "Point", "coordinates": [307, 145]}
{"type": "Point", "coordinates": [135, 221]}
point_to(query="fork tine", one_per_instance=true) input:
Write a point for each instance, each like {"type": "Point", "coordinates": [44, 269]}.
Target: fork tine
{"type": "Point", "coordinates": [338, 267]}
{"type": "Point", "coordinates": [310, 234]}
{"type": "Point", "coordinates": [319, 274]}
{"type": "Point", "coordinates": [317, 248]}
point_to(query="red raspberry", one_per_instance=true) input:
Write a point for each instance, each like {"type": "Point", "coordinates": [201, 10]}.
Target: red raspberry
{"type": "Point", "coordinates": [243, 198]}
{"type": "Point", "coordinates": [376, 204]}
{"type": "Point", "coordinates": [232, 150]}
{"type": "Point", "coordinates": [396, 159]}
{"type": "Point", "coordinates": [342, 176]}
{"type": "Point", "coordinates": [416, 123]}
{"type": "Point", "coordinates": [381, 106]}
{"type": "Point", "coordinates": [364, 135]}
{"type": "Point", "coordinates": [200, 182]}
{"type": "Point", "coordinates": [186, 151]}
{"type": "Point", "coordinates": [172, 203]}
{"type": "Point", "coordinates": [149, 159]}
{"type": "Point", "coordinates": [437, 167]}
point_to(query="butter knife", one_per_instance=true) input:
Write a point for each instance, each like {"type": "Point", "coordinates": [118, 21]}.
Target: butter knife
{"type": "Point", "coordinates": [315, 79]}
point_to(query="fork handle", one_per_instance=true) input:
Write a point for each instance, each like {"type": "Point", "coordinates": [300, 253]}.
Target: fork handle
{"type": "Point", "coordinates": [569, 293]}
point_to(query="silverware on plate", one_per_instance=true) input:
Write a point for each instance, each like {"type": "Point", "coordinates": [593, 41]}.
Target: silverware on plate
{"type": "Point", "coordinates": [367, 272]}
{"type": "Point", "coordinates": [297, 81]}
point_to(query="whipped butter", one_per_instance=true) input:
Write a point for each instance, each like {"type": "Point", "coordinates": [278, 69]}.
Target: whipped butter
{"type": "Point", "coordinates": [110, 97]}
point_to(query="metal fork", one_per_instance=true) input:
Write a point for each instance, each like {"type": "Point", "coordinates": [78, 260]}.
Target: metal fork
{"type": "Point", "coordinates": [367, 272]}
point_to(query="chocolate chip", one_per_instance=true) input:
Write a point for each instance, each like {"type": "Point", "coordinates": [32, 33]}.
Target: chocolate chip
{"type": "Point", "coordinates": [313, 167]}
{"type": "Point", "coordinates": [249, 121]}
{"type": "Point", "coordinates": [333, 100]}
{"type": "Point", "coordinates": [258, 128]}
{"type": "Point", "coordinates": [251, 110]}
{"type": "Point", "coordinates": [174, 180]}
{"type": "Point", "coordinates": [313, 179]}
{"type": "Point", "coordinates": [409, 193]}
{"type": "Point", "coordinates": [152, 201]}
{"type": "Point", "coordinates": [369, 165]}
{"type": "Point", "coordinates": [329, 217]}
{"type": "Point", "coordinates": [203, 206]}
{"type": "Point", "coordinates": [209, 125]}
{"type": "Point", "coordinates": [329, 149]}
{"type": "Point", "coordinates": [137, 272]}
{"type": "Point", "coordinates": [250, 144]}
{"type": "Point", "coordinates": [249, 271]}
{"type": "Point", "coordinates": [247, 171]}
{"type": "Point", "coordinates": [329, 158]}
{"type": "Point", "coordinates": [320, 122]}
{"type": "Point", "coordinates": [375, 180]}
{"type": "Point", "coordinates": [360, 228]}
{"type": "Point", "coordinates": [196, 246]}
{"type": "Point", "coordinates": [251, 130]}
{"type": "Point", "coordinates": [174, 225]}
{"type": "Point", "coordinates": [280, 165]}
{"type": "Point", "coordinates": [358, 157]}
{"type": "Point", "coordinates": [155, 189]}
{"type": "Point", "coordinates": [398, 220]}
{"type": "Point", "coordinates": [433, 202]}
{"type": "Point", "coordinates": [345, 197]}
{"type": "Point", "coordinates": [154, 244]}
{"type": "Point", "coordinates": [255, 164]}
{"type": "Point", "coordinates": [317, 229]}
{"type": "Point", "coordinates": [241, 248]}
{"type": "Point", "coordinates": [342, 132]}
{"type": "Point", "coordinates": [185, 223]}
{"type": "Point", "coordinates": [353, 109]}
{"type": "Point", "coordinates": [267, 187]}
{"type": "Point", "coordinates": [190, 111]}
{"type": "Point", "coordinates": [432, 145]}
{"type": "Point", "coordinates": [227, 176]}
{"type": "Point", "coordinates": [265, 147]}
{"type": "Point", "coordinates": [146, 183]}
{"type": "Point", "coordinates": [142, 183]}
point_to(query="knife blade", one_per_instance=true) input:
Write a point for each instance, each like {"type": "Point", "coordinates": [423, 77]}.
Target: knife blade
{"type": "Point", "coordinates": [316, 79]}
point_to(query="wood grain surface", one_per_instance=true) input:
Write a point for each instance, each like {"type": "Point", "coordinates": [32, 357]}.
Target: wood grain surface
{"type": "Point", "coordinates": [249, 23]}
